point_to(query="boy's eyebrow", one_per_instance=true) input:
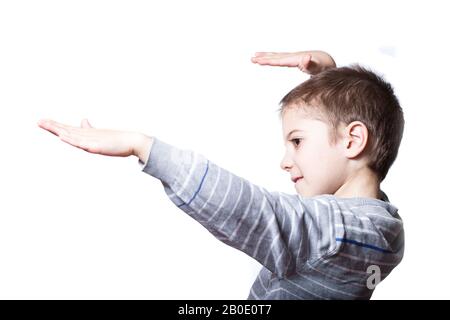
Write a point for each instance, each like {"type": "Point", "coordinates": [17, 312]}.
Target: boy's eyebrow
{"type": "Point", "coordinates": [300, 130]}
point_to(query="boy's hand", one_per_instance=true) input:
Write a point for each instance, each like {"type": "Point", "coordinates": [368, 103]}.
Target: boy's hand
{"type": "Point", "coordinates": [310, 62]}
{"type": "Point", "coordinates": [99, 141]}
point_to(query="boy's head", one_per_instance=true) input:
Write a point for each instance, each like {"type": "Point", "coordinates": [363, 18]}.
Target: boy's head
{"type": "Point", "coordinates": [349, 121]}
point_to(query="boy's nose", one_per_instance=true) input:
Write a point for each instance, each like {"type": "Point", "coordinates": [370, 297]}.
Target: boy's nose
{"type": "Point", "coordinates": [285, 163]}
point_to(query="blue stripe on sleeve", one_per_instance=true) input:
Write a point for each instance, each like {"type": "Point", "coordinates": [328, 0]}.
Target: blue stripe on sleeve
{"type": "Point", "coordinates": [199, 187]}
{"type": "Point", "coordinates": [344, 240]}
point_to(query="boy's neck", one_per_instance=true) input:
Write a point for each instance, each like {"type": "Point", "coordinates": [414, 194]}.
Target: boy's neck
{"type": "Point", "coordinates": [363, 184]}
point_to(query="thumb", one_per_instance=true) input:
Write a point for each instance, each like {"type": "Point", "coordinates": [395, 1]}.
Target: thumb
{"type": "Point", "coordinates": [304, 64]}
{"type": "Point", "coordinates": [85, 124]}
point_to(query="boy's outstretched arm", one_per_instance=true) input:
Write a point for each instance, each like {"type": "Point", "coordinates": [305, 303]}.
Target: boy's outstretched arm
{"type": "Point", "coordinates": [310, 62]}
{"type": "Point", "coordinates": [274, 228]}
{"type": "Point", "coordinates": [245, 216]}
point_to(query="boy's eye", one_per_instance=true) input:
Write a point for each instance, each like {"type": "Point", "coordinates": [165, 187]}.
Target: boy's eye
{"type": "Point", "coordinates": [296, 141]}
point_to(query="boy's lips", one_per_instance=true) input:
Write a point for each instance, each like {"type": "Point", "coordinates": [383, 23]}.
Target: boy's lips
{"type": "Point", "coordinates": [295, 179]}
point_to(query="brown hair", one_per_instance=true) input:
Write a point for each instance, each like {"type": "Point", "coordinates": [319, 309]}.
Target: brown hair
{"type": "Point", "coordinates": [346, 94]}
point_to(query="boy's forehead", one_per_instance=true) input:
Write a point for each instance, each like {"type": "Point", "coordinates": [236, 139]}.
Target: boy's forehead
{"type": "Point", "coordinates": [297, 119]}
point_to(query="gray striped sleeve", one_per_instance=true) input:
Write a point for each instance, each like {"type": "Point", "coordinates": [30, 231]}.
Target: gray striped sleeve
{"type": "Point", "coordinates": [271, 227]}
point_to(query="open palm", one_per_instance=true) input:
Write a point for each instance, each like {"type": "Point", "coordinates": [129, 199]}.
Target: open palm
{"type": "Point", "coordinates": [100, 141]}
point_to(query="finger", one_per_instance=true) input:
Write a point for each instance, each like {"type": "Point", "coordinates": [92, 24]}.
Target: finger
{"type": "Point", "coordinates": [82, 143]}
{"type": "Point", "coordinates": [265, 53]}
{"type": "Point", "coordinates": [306, 59]}
{"type": "Point", "coordinates": [281, 60]}
{"type": "Point", "coordinates": [267, 56]}
{"type": "Point", "coordinates": [62, 125]}
{"type": "Point", "coordinates": [305, 63]}
{"type": "Point", "coordinates": [272, 55]}
{"type": "Point", "coordinates": [44, 125]}
{"type": "Point", "coordinates": [57, 126]}
{"type": "Point", "coordinates": [52, 127]}
{"type": "Point", "coordinates": [51, 123]}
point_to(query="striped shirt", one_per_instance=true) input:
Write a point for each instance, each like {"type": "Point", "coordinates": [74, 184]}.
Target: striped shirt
{"type": "Point", "coordinates": [322, 247]}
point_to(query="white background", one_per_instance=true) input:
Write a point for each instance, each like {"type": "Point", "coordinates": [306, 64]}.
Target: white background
{"type": "Point", "coordinates": [74, 225]}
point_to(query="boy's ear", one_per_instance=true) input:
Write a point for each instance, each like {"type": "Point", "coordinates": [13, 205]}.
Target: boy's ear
{"type": "Point", "coordinates": [355, 139]}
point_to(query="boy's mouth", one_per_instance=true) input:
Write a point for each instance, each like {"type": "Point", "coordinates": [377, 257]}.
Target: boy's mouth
{"type": "Point", "coordinates": [295, 179]}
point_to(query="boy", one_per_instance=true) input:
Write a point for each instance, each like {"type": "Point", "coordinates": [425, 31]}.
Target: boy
{"type": "Point", "coordinates": [339, 235]}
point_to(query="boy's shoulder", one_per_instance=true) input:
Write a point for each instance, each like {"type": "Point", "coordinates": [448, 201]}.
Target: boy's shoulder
{"type": "Point", "coordinates": [337, 223]}
{"type": "Point", "coordinates": [367, 214]}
